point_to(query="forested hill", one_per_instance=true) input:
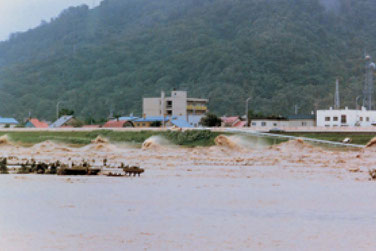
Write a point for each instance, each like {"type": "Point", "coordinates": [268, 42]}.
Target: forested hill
{"type": "Point", "coordinates": [279, 52]}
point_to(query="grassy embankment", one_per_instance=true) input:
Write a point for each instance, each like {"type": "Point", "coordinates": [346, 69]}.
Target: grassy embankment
{"type": "Point", "coordinates": [188, 138]}
{"type": "Point", "coordinates": [357, 138]}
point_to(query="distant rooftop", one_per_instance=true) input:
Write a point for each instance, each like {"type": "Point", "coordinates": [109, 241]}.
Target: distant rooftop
{"type": "Point", "coordinates": [128, 118]}
{"type": "Point", "coordinates": [302, 116]}
{"type": "Point", "coordinates": [152, 119]}
{"type": "Point", "coordinates": [10, 121]}
{"type": "Point", "coordinates": [61, 121]}
{"type": "Point", "coordinates": [181, 123]}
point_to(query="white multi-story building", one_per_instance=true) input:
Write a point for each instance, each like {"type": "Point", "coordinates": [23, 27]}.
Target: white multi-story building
{"type": "Point", "coordinates": [177, 105]}
{"type": "Point", "coordinates": [345, 117]}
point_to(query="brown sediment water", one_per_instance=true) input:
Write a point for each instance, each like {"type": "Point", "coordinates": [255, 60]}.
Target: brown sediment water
{"type": "Point", "coordinates": [371, 143]}
{"type": "Point", "coordinates": [213, 197]}
{"type": "Point", "coordinates": [226, 141]}
{"type": "Point", "coordinates": [100, 140]}
{"type": "Point", "coordinates": [154, 143]}
{"type": "Point", "coordinates": [228, 151]}
{"type": "Point", "coordinates": [5, 141]}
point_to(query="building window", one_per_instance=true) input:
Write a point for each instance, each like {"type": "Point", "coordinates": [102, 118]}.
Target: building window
{"type": "Point", "coordinates": [343, 119]}
{"type": "Point", "coordinates": [361, 118]}
{"type": "Point", "coordinates": [263, 123]}
{"type": "Point", "coordinates": [274, 124]}
{"type": "Point", "coordinates": [335, 118]}
{"type": "Point", "coordinates": [367, 119]}
{"type": "Point", "coordinates": [327, 118]}
{"type": "Point", "coordinates": [304, 123]}
{"type": "Point", "coordinates": [254, 123]}
{"type": "Point", "coordinates": [327, 125]}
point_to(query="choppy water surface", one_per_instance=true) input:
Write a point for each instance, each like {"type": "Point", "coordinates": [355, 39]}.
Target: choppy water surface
{"type": "Point", "coordinates": [232, 196]}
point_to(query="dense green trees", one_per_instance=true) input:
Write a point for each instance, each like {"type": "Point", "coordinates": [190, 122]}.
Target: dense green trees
{"type": "Point", "coordinates": [279, 52]}
{"type": "Point", "coordinates": [210, 120]}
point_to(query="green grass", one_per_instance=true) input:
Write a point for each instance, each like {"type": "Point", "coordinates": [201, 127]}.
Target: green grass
{"type": "Point", "coordinates": [188, 138]}
{"type": "Point", "coordinates": [357, 138]}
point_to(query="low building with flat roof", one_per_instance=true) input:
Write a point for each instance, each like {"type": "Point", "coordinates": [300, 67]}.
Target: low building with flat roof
{"type": "Point", "coordinates": [301, 120]}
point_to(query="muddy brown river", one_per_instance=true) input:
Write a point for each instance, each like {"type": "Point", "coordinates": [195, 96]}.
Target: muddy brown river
{"type": "Point", "coordinates": [227, 197]}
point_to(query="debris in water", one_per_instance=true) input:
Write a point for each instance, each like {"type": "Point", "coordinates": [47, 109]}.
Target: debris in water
{"type": "Point", "coordinates": [372, 173]}
{"type": "Point", "coordinates": [135, 170]}
{"type": "Point", "coordinates": [354, 169]}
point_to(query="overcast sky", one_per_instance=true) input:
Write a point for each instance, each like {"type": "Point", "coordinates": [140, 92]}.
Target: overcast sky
{"type": "Point", "coordinates": [21, 15]}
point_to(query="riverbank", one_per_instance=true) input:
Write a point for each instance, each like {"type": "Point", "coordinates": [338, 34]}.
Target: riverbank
{"type": "Point", "coordinates": [84, 137]}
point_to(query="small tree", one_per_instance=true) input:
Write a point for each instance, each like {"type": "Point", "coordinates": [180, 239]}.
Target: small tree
{"type": "Point", "coordinates": [117, 116]}
{"type": "Point", "coordinates": [210, 120]}
{"type": "Point", "coordinates": [156, 124]}
{"type": "Point", "coordinates": [64, 112]}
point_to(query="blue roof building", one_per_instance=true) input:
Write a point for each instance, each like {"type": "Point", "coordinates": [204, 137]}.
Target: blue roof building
{"type": "Point", "coordinates": [128, 118]}
{"type": "Point", "coordinates": [181, 123]}
{"type": "Point", "coordinates": [152, 119]}
{"type": "Point", "coordinates": [8, 121]}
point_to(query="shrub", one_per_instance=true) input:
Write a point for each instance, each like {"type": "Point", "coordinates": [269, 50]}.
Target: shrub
{"type": "Point", "coordinates": [211, 120]}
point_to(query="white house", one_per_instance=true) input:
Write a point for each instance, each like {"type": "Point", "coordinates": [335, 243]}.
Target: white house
{"type": "Point", "coordinates": [282, 122]}
{"type": "Point", "coordinates": [270, 122]}
{"type": "Point", "coordinates": [345, 117]}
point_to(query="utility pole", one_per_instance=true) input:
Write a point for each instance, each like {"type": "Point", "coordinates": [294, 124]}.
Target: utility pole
{"type": "Point", "coordinates": [57, 109]}
{"type": "Point", "coordinates": [163, 108]}
{"type": "Point", "coordinates": [368, 83]}
{"type": "Point", "coordinates": [296, 109]}
{"type": "Point", "coordinates": [246, 111]}
{"type": "Point", "coordinates": [357, 106]}
{"type": "Point", "coordinates": [337, 103]}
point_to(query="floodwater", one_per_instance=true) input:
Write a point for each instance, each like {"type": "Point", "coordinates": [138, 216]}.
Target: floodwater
{"type": "Point", "coordinates": [227, 197]}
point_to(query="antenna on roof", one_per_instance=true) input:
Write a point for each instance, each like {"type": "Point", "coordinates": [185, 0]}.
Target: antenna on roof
{"type": "Point", "coordinates": [337, 104]}
{"type": "Point", "coordinates": [296, 109]}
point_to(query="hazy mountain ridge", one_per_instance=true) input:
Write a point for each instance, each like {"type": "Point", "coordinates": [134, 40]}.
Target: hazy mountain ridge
{"type": "Point", "coordinates": [279, 52]}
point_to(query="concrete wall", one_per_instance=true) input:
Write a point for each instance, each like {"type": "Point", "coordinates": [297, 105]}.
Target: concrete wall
{"type": "Point", "coordinates": [10, 125]}
{"type": "Point", "coordinates": [152, 107]}
{"type": "Point", "coordinates": [269, 123]}
{"type": "Point", "coordinates": [178, 107]}
{"type": "Point", "coordinates": [301, 122]}
{"type": "Point", "coordinates": [179, 103]}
